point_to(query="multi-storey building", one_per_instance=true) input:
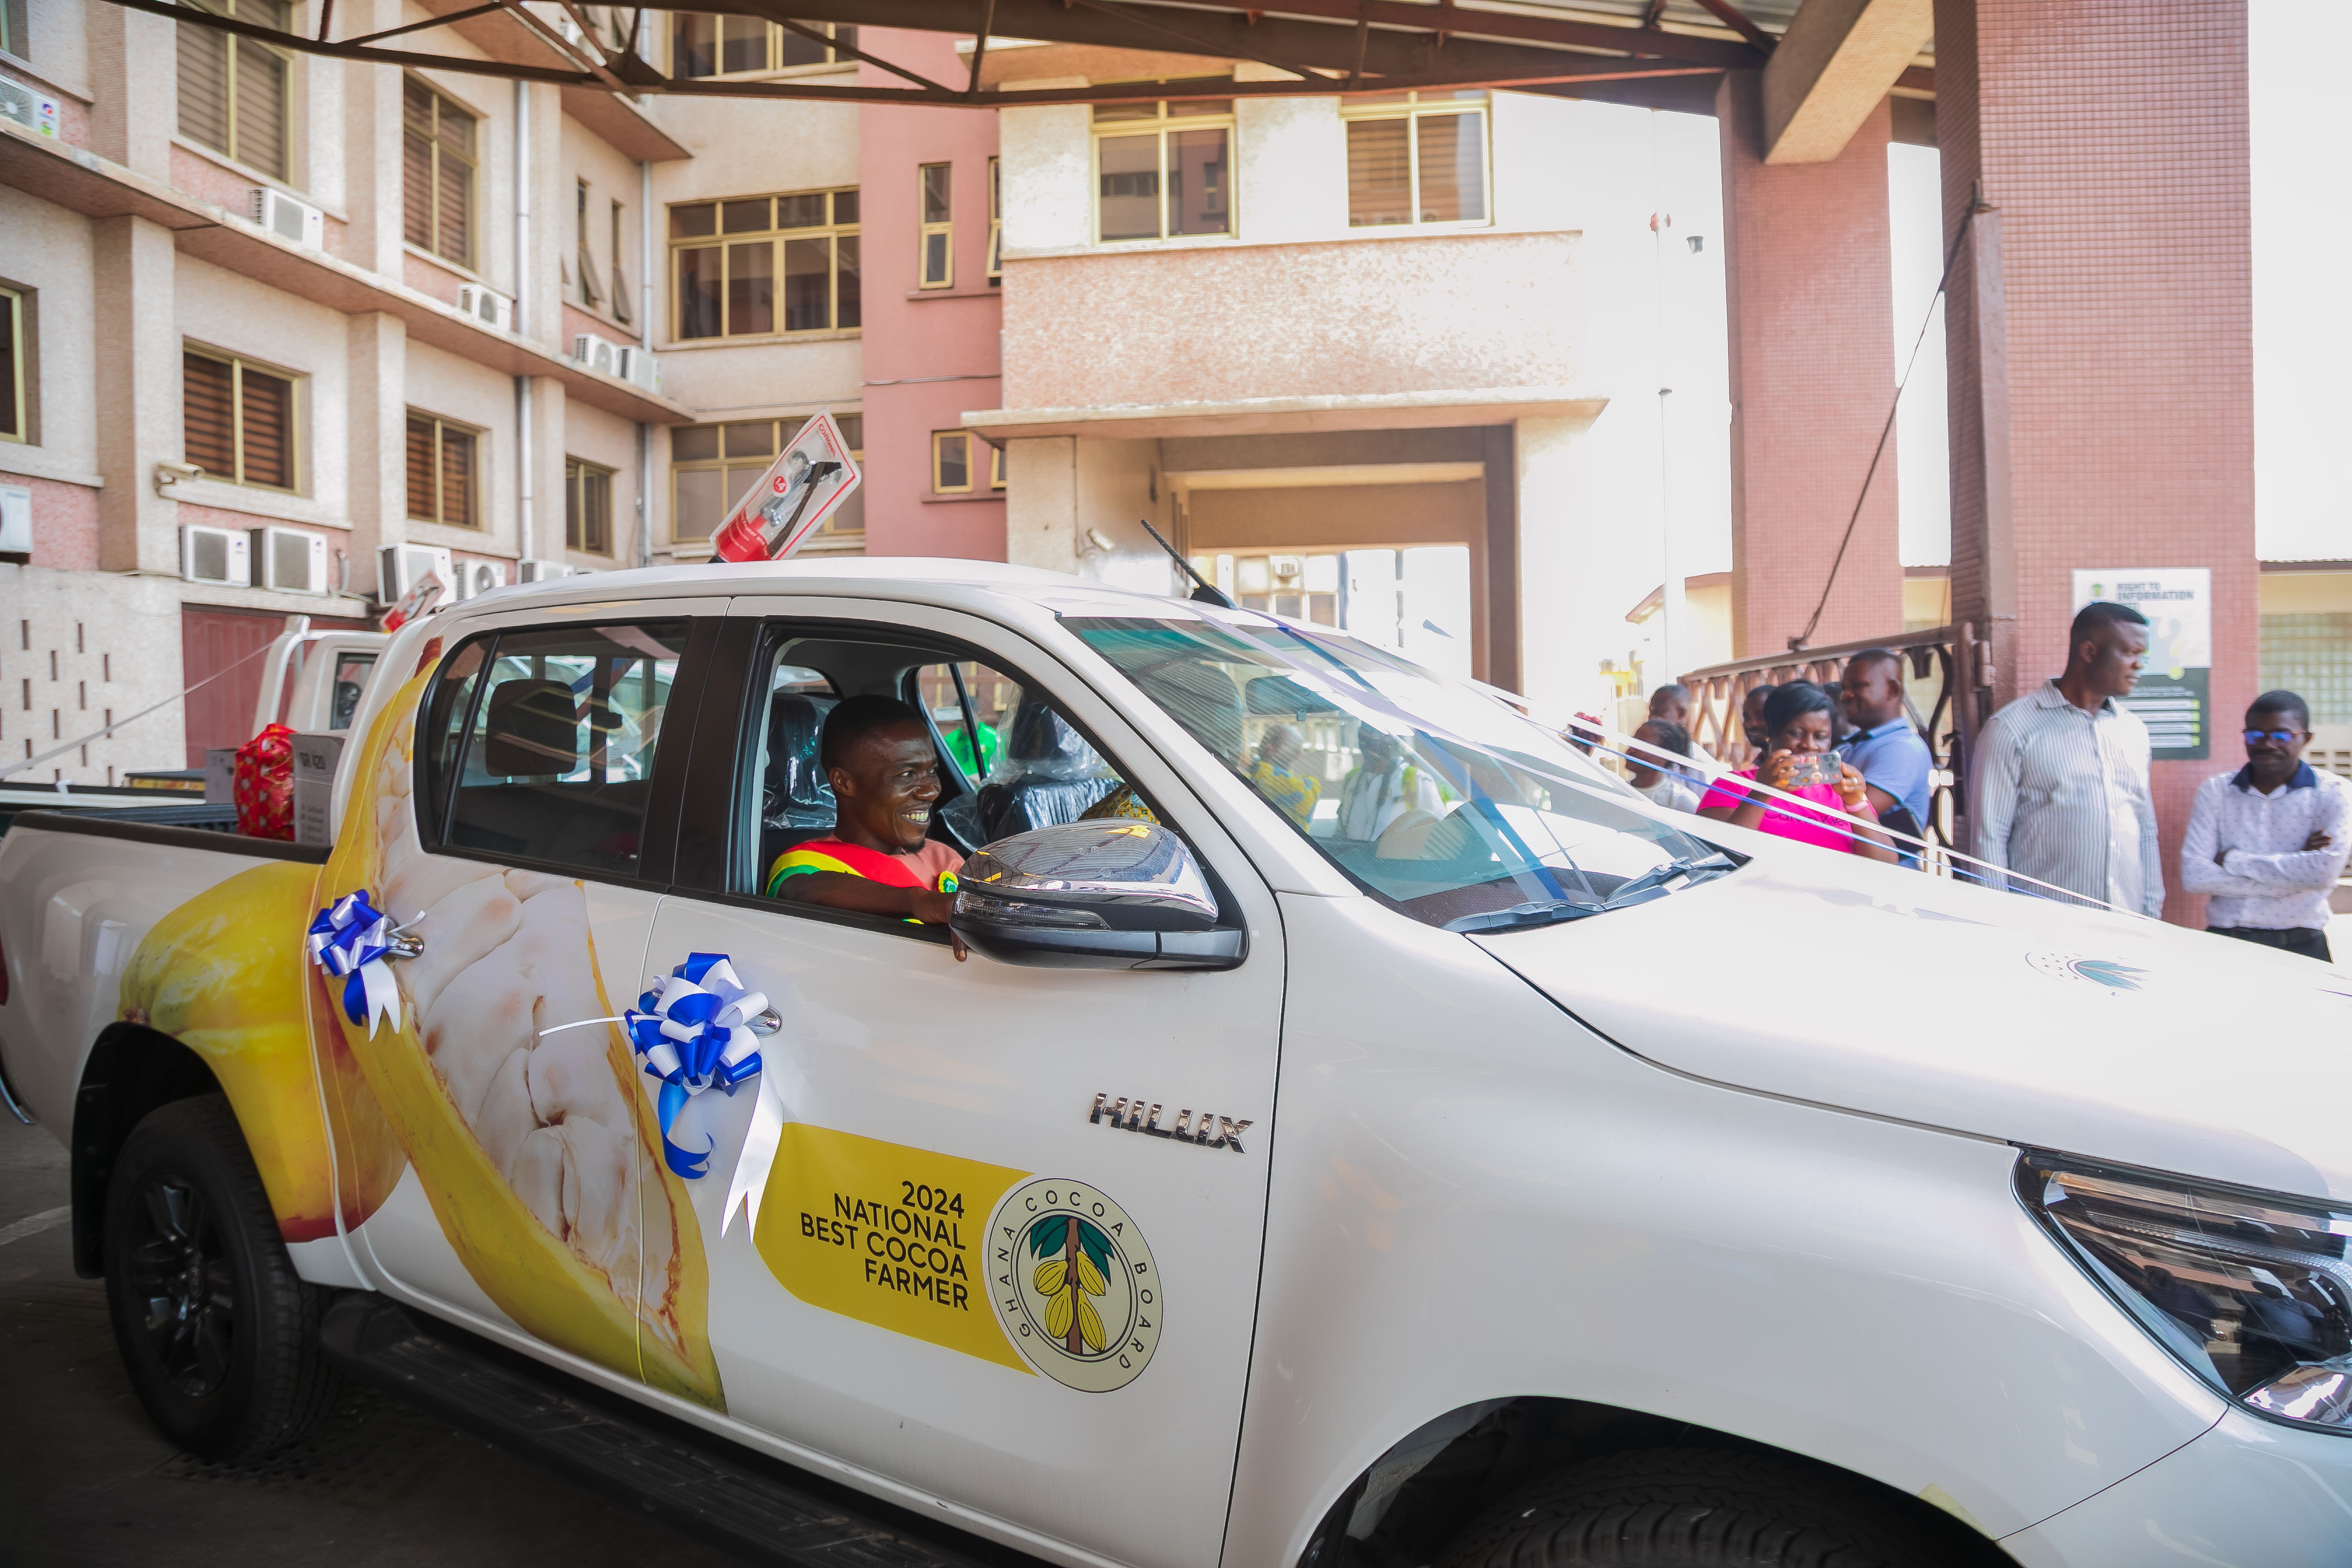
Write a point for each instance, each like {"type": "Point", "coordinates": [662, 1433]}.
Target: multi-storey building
{"type": "Point", "coordinates": [277, 328]}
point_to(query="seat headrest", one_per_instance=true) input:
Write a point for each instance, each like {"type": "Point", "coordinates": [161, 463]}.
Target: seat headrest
{"type": "Point", "coordinates": [531, 729]}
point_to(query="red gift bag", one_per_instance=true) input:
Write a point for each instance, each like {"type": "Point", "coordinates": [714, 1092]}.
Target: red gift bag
{"type": "Point", "coordinates": [265, 784]}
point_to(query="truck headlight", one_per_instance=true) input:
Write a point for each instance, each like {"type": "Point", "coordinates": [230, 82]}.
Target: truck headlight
{"type": "Point", "coordinates": [2250, 1290]}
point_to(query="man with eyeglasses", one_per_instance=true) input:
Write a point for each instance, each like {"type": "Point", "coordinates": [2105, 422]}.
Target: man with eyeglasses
{"type": "Point", "coordinates": [2267, 843]}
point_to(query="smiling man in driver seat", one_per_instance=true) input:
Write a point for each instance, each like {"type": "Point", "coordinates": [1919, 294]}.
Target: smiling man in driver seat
{"type": "Point", "coordinates": [877, 754]}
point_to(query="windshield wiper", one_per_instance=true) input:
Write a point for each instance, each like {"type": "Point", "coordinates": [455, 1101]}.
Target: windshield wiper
{"type": "Point", "coordinates": [1659, 876]}
{"type": "Point", "coordinates": [1523, 917]}
{"type": "Point", "coordinates": [1651, 884]}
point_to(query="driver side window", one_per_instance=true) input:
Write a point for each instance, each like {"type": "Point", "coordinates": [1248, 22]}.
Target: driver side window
{"type": "Point", "coordinates": [1008, 758]}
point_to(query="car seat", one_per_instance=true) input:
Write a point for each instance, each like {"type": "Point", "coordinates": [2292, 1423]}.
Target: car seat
{"type": "Point", "coordinates": [1047, 775]}
{"type": "Point", "coordinates": [796, 803]}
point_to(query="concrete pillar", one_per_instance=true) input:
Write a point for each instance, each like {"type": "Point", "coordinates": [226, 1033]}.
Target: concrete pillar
{"type": "Point", "coordinates": [2100, 333]}
{"type": "Point", "coordinates": [377, 374]}
{"type": "Point", "coordinates": [1041, 502]}
{"type": "Point", "coordinates": [371, 149]}
{"type": "Point", "coordinates": [1810, 297]}
{"type": "Point", "coordinates": [136, 372]}
{"type": "Point", "coordinates": [546, 540]}
{"type": "Point", "coordinates": [135, 87]}
{"type": "Point", "coordinates": [1568, 613]}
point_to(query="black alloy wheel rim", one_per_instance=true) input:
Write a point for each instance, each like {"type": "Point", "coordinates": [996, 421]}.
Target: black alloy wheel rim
{"type": "Point", "coordinates": [182, 1286]}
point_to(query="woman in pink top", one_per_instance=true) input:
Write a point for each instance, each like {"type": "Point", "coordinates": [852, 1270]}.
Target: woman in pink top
{"type": "Point", "coordinates": [1798, 718]}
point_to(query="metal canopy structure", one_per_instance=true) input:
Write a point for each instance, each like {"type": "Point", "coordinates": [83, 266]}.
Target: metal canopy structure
{"type": "Point", "coordinates": [1663, 54]}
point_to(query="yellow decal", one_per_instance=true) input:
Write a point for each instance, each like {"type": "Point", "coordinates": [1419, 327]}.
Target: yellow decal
{"type": "Point", "coordinates": [888, 1234]}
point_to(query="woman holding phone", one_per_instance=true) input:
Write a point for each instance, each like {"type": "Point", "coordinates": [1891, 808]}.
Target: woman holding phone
{"type": "Point", "coordinates": [1799, 722]}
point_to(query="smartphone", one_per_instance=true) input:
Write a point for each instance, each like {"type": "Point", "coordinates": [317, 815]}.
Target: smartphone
{"type": "Point", "coordinates": [1815, 767]}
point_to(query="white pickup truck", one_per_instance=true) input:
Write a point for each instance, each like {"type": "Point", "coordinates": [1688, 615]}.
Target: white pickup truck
{"type": "Point", "coordinates": [1364, 1133]}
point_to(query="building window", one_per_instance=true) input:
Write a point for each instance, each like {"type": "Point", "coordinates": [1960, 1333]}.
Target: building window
{"type": "Point", "coordinates": [620, 276]}
{"type": "Point", "coordinates": [239, 420]}
{"type": "Point", "coordinates": [937, 182]}
{"type": "Point", "coordinates": [14, 36]}
{"type": "Point", "coordinates": [235, 92]}
{"type": "Point", "coordinates": [712, 465]}
{"type": "Point", "coordinates": [1416, 158]}
{"type": "Point", "coordinates": [444, 466]}
{"type": "Point", "coordinates": [703, 45]}
{"type": "Point", "coordinates": [995, 222]}
{"type": "Point", "coordinates": [16, 417]}
{"type": "Point", "coordinates": [587, 507]}
{"type": "Point", "coordinates": [437, 174]}
{"type": "Point", "coordinates": [1163, 169]}
{"type": "Point", "coordinates": [591, 291]}
{"type": "Point", "coordinates": [951, 462]}
{"type": "Point", "coordinates": [996, 465]}
{"type": "Point", "coordinates": [759, 266]}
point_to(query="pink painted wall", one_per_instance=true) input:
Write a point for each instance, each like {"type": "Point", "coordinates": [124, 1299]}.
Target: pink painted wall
{"type": "Point", "coordinates": [930, 354]}
{"type": "Point", "coordinates": [64, 520]}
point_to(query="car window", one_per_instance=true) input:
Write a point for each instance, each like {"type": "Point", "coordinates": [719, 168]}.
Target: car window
{"type": "Point", "coordinates": [351, 678]}
{"type": "Point", "coordinates": [1011, 759]}
{"type": "Point", "coordinates": [1431, 796]}
{"type": "Point", "coordinates": [561, 729]}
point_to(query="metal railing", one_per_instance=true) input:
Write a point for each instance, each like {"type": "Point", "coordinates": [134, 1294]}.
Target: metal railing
{"type": "Point", "coordinates": [1935, 667]}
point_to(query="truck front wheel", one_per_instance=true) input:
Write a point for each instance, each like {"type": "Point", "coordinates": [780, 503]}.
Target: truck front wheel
{"type": "Point", "coordinates": [218, 1333]}
{"type": "Point", "coordinates": [1702, 1508]}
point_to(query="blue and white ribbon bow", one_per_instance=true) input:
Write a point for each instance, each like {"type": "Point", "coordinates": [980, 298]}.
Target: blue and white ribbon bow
{"type": "Point", "coordinates": [351, 940]}
{"type": "Point", "coordinates": [695, 1034]}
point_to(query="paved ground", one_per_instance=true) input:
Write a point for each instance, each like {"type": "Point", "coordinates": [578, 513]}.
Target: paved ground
{"type": "Point", "coordinates": [85, 1480]}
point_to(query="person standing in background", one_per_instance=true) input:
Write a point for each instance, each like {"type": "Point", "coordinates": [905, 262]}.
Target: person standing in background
{"type": "Point", "coordinates": [1652, 774]}
{"type": "Point", "coordinates": [1751, 719]}
{"type": "Point", "coordinates": [2059, 787]}
{"type": "Point", "coordinates": [1672, 702]}
{"type": "Point", "coordinates": [1888, 753]}
{"type": "Point", "coordinates": [2268, 842]}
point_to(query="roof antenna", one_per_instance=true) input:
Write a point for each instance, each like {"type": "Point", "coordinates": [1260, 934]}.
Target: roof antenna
{"type": "Point", "coordinates": [1207, 592]}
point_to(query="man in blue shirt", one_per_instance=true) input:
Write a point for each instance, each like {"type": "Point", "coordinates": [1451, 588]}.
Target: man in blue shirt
{"type": "Point", "coordinates": [1888, 753]}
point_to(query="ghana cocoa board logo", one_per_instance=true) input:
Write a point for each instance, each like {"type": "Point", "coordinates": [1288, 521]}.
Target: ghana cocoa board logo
{"type": "Point", "coordinates": [1073, 1284]}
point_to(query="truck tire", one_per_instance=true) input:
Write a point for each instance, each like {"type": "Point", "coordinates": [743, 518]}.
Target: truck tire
{"type": "Point", "coordinates": [1698, 1508]}
{"type": "Point", "coordinates": [219, 1335]}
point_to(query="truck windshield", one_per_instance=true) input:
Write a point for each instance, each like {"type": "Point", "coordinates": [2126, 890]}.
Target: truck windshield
{"type": "Point", "coordinates": [1437, 800]}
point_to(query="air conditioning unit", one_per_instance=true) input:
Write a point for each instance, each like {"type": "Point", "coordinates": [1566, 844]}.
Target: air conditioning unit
{"type": "Point", "coordinates": [221, 556]}
{"type": "Point", "coordinates": [16, 520]}
{"type": "Point", "coordinates": [476, 577]}
{"type": "Point", "coordinates": [487, 306]}
{"type": "Point", "coordinates": [399, 566]}
{"type": "Point", "coordinates": [33, 111]}
{"type": "Point", "coordinates": [547, 570]}
{"type": "Point", "coordinates": [640, 366]}
{"type": "Point", "coordinates": [600, 354]}
{"type": "Point", "coordinates": [290, 560]}
{"type": "Point", "coordinates": [297, 222]}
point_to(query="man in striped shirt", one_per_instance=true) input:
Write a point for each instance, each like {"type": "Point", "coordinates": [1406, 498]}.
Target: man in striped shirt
{"type": "Point", "coordinates": [2060, 788]}
{"type": "Point", "coordinates": [2268, 842]}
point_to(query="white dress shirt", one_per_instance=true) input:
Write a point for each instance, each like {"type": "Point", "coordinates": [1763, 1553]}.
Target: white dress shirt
{"type": "Point", "coordinates": [2061, 795]}
{"type": "Point", "coordinates": [2269, 881]}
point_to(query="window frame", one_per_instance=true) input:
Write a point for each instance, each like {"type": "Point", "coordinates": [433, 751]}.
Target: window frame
{"type": "Point", "coordinates": [577, 472]}
{"type": "Point", "coordinates": [728, 769]}
{"type": "Point", "coordinates": [20, 355]}
{"type": "Point", "coordinates": [621, 312]}
{"type": "Point", "coordinates": [928, 227]}
{"type": "Point", "coordinates": [436, 148]}
{"type": "Point", "coordinates": [474, 501]}
{"type": "Point", "coordinates": [279, 13]}
{"type": "Point", "coordinates": [659, 831]}
{"type": "Point", "coordinates": [995, 222]}
{"type": "Point", "coordinates": [832, 231]}
{"type": "Point", "coordinates": [1413, 110]}
{"type": "Point", "coordinates": [296, 466]}
{"type": "Point", "coordinates": [852, 422]}
{"type": "Point", "coordinates": [940, 438]}
{"type": "Point", "coordinates": [834, 57]}
{"type": "Point", "coordinates": [1161, 126]}
{"type": "Point", "coordinates": [592, 297]}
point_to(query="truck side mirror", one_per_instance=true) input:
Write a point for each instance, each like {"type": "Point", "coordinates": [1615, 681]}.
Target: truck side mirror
{"type": "Point", "coordinates": [1116, 894]}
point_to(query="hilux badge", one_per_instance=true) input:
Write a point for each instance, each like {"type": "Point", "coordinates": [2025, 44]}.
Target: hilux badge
{"type": "Point", "coordinates": [1073, 1284]}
